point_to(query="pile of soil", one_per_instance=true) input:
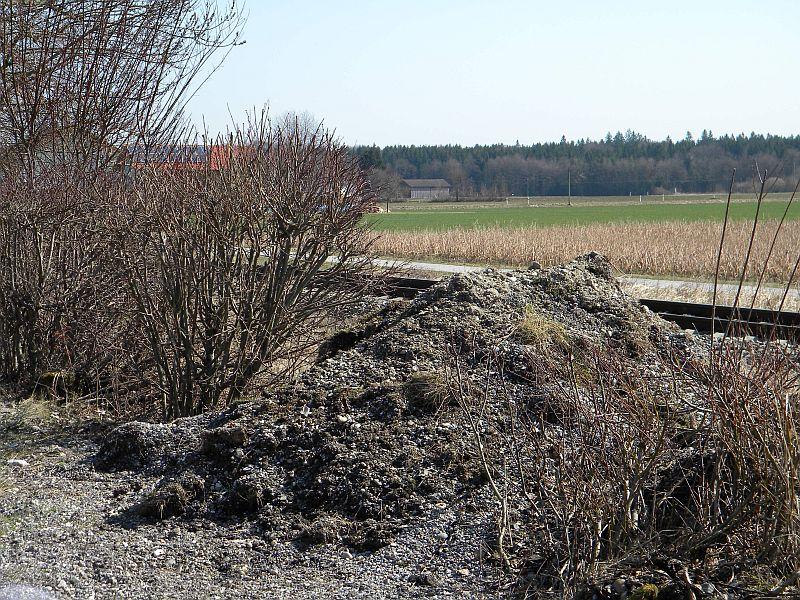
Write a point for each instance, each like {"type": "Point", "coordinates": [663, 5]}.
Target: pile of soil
{"type": "Point", "coordinates": [368, 442]}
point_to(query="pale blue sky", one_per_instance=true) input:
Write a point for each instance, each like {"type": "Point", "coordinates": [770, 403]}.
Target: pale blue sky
{"type": "Point", "coordinates": [468, 71]}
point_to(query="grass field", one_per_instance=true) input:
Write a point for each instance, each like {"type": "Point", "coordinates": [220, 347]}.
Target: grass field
{"type": "Point", "coordinates": [444, 216]}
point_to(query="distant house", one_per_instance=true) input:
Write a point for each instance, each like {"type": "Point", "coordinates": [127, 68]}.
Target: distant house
{"type": "Point", "coordinates": [426, 189]}
{"type": "Point", "coordinates": [185, 157]}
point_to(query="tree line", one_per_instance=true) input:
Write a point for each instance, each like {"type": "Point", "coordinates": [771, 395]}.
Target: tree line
{"type": "Point", "coordinates": [620, 164]}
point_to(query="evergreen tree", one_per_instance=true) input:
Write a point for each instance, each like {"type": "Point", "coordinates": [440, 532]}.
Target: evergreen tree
{"type": "Point", "coordinates": [611, 166]}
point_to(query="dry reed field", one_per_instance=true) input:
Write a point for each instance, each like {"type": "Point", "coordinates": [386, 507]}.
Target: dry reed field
{"type": "Point", "coordinates": [672, 248]}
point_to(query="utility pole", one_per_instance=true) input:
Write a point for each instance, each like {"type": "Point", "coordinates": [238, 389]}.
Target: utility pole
{"type": "Point", "coordinates": [569, 187]}
{"type": "Point", "coordinates": [527, 191]}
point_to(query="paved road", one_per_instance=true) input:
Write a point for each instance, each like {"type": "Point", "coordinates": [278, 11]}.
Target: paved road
{"type": "Point", "coordinates": [657, 285]}
{"type": "Point", "coordinates": [424, 266]}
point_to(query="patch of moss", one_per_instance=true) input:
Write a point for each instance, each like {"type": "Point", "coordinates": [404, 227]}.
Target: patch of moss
{"type": "Point", "coordinates": [60, 384]}
{"type": "Point", "coordinates": [56, 380]}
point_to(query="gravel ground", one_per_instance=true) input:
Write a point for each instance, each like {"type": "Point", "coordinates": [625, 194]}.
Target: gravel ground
{"type": "Point", "coordinates": [62, 537]}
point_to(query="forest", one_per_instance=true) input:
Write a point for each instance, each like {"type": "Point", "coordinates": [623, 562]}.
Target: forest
{"type": "Point", "coordinates": [621, 164]}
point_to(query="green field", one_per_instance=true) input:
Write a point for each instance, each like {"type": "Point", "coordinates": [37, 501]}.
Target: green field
{"type": "Point", "coordinates": [433, 216]}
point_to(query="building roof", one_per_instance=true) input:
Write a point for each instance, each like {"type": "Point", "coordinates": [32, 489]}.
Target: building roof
{"type": "Point", "coordinates": [184, 156]}
{"type": "Point", "coordinates": [178, 153]}
{"type": "Point", "coordinates": [426, 183]}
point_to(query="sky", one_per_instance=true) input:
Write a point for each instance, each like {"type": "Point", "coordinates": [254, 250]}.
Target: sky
{"type": "Point", "coordinates": [471, 72]}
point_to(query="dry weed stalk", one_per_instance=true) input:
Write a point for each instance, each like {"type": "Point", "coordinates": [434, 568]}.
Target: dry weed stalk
{"type": "Point", "coordinates": [474, 403]}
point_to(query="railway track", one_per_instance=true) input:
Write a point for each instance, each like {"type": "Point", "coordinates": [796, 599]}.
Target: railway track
{"type": "Point", "coordinates": [703, 318]}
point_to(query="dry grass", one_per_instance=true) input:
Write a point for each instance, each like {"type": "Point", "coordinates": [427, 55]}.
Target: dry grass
{"type": "Point", "coordinates": [426, 391]}
{"type": "Point", "coordinates": [673, 248]}
{"type": "Point", "coordinates": [542, 332]}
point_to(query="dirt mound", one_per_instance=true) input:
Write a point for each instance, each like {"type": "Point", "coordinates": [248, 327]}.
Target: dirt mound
{"type": "Point", "coordinates": [370, 438]}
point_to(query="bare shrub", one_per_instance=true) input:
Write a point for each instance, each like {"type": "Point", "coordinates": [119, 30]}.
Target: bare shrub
{"type": "Point", "coordinates": [233, 268]}
{"type": "Point", "coordinates": [747, 496]}
{"type": "Point", "coordinates": [579, 462]}
{"type": "Point", "coordinates": [690, 466]}
{"type": "Point", "coordinates": [79, 82]}
{"type": "Point", "coordinates": [82, 79]}
{"type": "Point", "coordinates": [597, 448]}
{"type": "Point", "coordinates": [52, 278]}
